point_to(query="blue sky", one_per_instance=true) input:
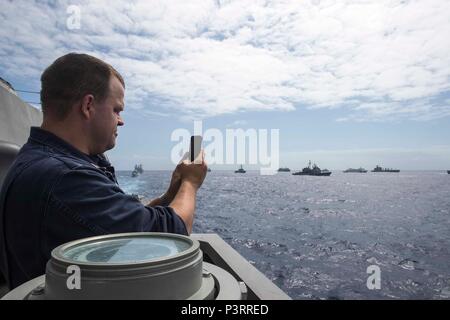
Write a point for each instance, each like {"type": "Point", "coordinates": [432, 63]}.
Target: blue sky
{"type": "Point", "coordinates": [348, 83]}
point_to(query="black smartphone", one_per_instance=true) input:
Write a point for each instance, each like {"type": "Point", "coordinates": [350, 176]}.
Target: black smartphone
{"type": "Point", "coordinates": [196, 147]}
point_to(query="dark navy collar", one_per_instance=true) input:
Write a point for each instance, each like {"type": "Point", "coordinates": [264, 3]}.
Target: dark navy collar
{"type": "Point", "coordinates": [53, 141]}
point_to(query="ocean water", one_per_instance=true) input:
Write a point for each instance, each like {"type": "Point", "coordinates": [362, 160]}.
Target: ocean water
{"type": "Point", "coordinates": [315, 237]}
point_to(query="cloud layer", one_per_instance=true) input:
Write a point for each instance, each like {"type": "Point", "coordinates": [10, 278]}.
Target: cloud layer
{"type": "Point", "coordinates": [377, 60]}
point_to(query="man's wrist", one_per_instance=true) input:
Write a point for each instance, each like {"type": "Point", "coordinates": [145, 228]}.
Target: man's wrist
{"type": "Point", "coordinates": [165, 199]}
{"type": "Point", "coordinates": [190, 185]}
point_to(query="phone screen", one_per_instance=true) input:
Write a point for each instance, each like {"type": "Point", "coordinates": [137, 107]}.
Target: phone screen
{"type": "Point", "coordinates": [196, 147]}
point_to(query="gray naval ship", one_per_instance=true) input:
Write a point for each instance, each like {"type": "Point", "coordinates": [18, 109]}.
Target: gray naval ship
{"type": "Point", "coordinates": [131, 265]}
{"type": "Point", "coordinates": [312, 171]}
{"type": "Point", "coordinates": [137, 170]}
{"type": "Point", "coordinates": [352, 170]}
{"type": "Point", "coordinates": [380, 169]}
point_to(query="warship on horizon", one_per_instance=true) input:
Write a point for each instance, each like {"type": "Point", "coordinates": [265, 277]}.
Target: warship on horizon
{"type": "Point", "coordinates": [359, 170]}
{"type": "Point", "coordinates": [380, 169]}
{"type": "Point", "coordinates": [314, 171]}
{"type": "Point", "coordinates": [137, 170]}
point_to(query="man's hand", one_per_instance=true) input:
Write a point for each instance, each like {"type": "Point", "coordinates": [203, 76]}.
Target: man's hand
{"type": "Point", "coordinates": [186, 171]}
{"type": "Point", "coordinates": [192, 177]}
{"type": "Point", "coordinates": [169, 195]}
{"type": "Point", "coordinates": [193, 173]}
{"type": "Point", "coordinates": [174, 186]}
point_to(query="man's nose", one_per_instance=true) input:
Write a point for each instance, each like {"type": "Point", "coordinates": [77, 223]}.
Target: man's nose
{"type": "Point", "coordinates": [120, 121]}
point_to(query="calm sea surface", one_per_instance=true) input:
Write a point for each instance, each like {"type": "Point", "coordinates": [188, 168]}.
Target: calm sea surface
{"type": "Point", "coordinates": [315, 236]}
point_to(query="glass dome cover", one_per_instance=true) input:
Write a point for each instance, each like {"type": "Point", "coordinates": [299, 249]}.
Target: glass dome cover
{"type": "Point", "coordinates": [124, 249]}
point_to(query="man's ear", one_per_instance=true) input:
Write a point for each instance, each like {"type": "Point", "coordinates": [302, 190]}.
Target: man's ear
{"type": "Point", "coordinates": [87, 106]}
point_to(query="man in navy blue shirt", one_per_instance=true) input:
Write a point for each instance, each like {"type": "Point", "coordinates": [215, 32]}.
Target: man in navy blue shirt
{"type": "Point", "coordinates": [61, 187]}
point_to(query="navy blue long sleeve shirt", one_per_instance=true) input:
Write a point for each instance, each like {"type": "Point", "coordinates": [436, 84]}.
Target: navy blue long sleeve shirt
{"type": "Point", "coordinates": [53, 194]}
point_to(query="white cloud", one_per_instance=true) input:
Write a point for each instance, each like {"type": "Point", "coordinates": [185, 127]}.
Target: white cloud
{"type": "Point", "coordinates": [237, 123]}
{"type": "Point", "coordinates": [376, 59]}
